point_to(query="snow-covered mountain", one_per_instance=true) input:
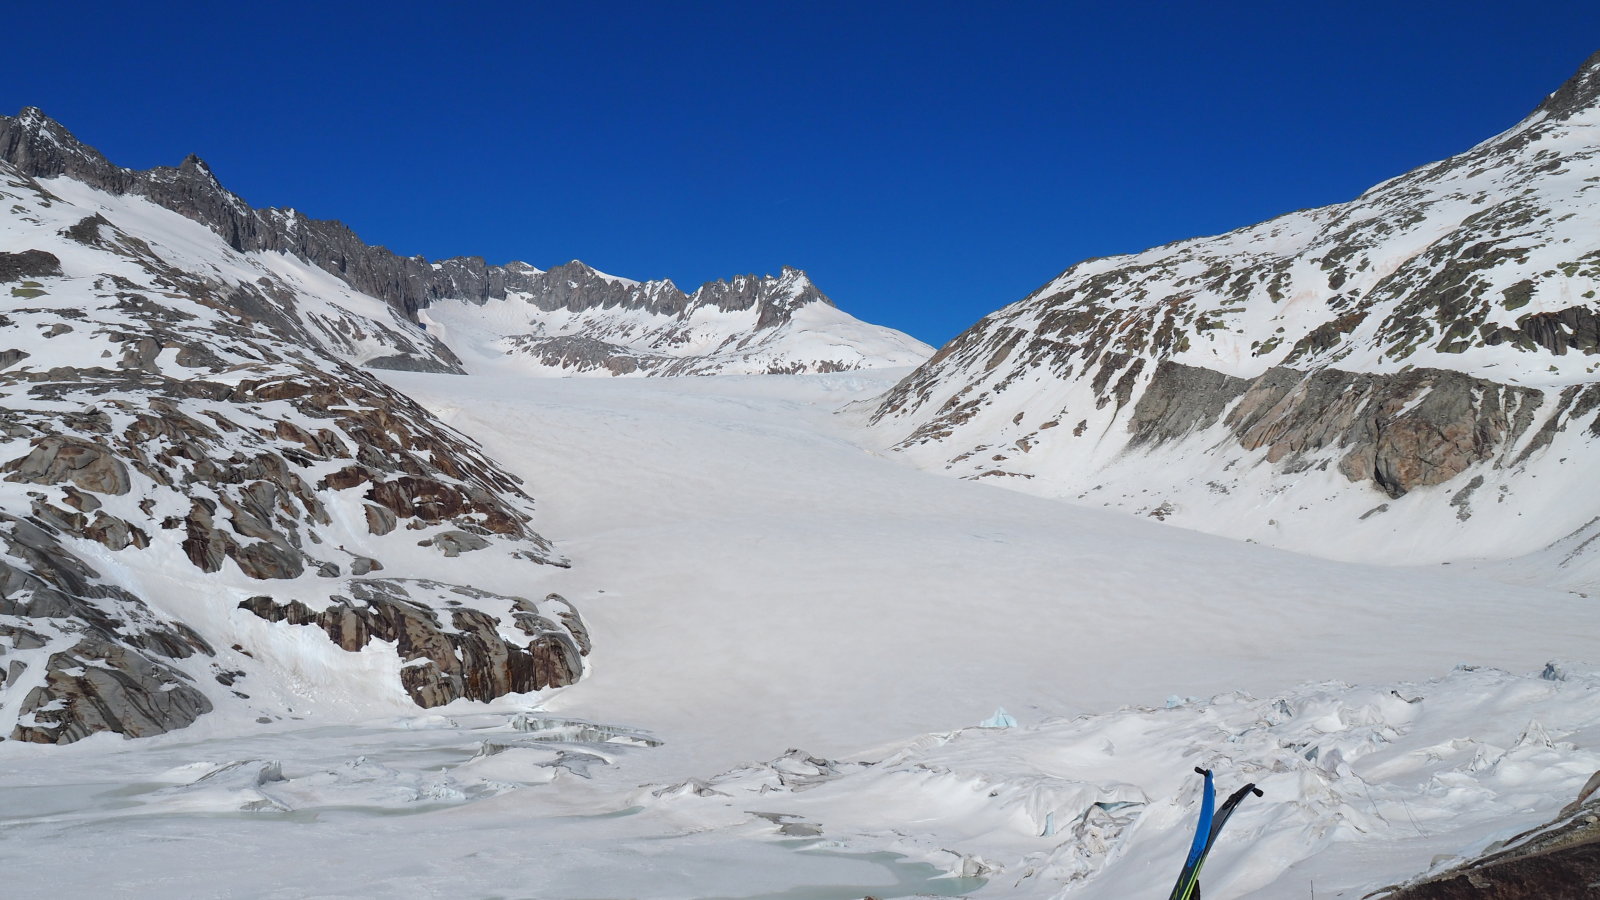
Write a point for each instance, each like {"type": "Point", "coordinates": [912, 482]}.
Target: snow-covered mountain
{"type": "Point", "coordinates": [570, 319]}
{"type": "Point", "coordinates": [228, 513]}
{"type": "Point", "coordinates": [575, 320]}
{"type": "Point", "coordinates": [200, 462]}
{"type": "Point", "coordinates": [205, 507]}
{"type": "Point", "coordinates": [1406, 377]}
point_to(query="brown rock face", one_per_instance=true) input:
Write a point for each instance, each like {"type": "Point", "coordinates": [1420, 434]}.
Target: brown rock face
{"type": "Point", "coordinates": [1416, 428]}
{"type": "Point", "coordinates": [468, 657]}
{"type": "Point", "coordinates": [1419, 427]}
{"type": "Point", "coordinates": [59, 460]}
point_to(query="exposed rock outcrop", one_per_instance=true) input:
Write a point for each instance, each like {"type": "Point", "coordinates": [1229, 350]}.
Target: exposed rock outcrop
{"type": "Point", "coordinates": [465, 656]}
{"type": "Point", "coordinates": [82, 656]}
{"type": "Point", "coordinates": [1422, 427]}
{"type": "Point", "coordinates": [55, 459]}
{"type": "Point", "coordinates": [28, 264]}
{"type": "Point", "coordinates": [1180, 401]}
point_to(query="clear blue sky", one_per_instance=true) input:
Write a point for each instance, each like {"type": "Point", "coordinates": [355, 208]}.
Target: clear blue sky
{"type": "Point", "coordinates": [926, 162]}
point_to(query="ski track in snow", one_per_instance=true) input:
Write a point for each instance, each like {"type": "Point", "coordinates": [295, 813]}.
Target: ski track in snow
{"type": "Point", "coordinates": [757, 581]}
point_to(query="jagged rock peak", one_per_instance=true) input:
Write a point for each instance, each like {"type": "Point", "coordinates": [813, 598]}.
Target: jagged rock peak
{"type": "Point", "coordinates": [194, 165]}
{"type": "Point", "coordinates": [577, 268]}
{"type": "Point", "coordinates": [1580, 92]}
{"type": "Point", "coordinates": [41, 147]}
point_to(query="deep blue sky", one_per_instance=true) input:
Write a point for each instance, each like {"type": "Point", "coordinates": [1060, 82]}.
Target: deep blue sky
{"type": "Point", "coordinates": [926, 162]}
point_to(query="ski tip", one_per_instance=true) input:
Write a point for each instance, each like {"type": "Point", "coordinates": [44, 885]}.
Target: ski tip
{"type": "Point", "coordinates": [1255, 790]}
{"type": "Point", "coordinates": [1200, 771]}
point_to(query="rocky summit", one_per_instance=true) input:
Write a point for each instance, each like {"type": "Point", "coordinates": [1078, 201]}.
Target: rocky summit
{"type": "Point", "coordinates": [1399, 378]}
{"type": "Point", "coordinates": [567, 320]}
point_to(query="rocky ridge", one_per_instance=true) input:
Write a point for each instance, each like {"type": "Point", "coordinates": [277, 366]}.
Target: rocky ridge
{"type": "Point", "coordinates": [1405, 361]}
{"type": "Point", "coordinates": [574, 320]}
{"type": "Point", "coordinates": [648, 327]}
{"type": "Point", "coordinates": [189, 469]}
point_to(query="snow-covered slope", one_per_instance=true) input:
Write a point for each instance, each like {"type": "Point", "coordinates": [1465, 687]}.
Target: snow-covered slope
{"type": "Point", "coordinates": [190, 419]}
{"type": "Point", "coordinates": [199, 492]}
{"type": "Point", "coordinates": [573, 320]}
{"type": "Point", "coordinates": [793, 640]}
{"type": "Point", "coordinates": [1409, 376]}
{"type": "Point", "coordinates": [204, 506]}
{"type": "Point", "coordinates": [568, 320]}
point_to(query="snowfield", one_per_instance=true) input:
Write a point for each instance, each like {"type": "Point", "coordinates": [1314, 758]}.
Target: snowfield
{"type": "Point", "coordinates": [794, 641]}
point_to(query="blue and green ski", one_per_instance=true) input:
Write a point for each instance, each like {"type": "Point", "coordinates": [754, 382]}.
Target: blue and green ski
{"type": "Point", "coordinates": [1205, 834]}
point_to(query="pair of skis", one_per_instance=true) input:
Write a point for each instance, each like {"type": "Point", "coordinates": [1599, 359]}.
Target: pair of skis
{"type": "Point", "coordinates": [1205, 834]}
